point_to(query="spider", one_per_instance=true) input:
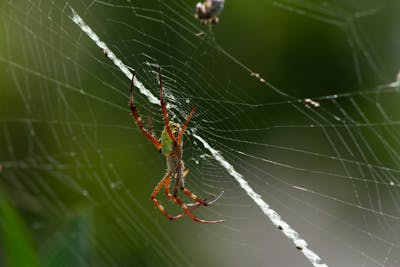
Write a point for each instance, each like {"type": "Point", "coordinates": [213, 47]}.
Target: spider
{"type": "Point", "coordinates": [170, 145]}
{"type": "Point", "coordinates": [208, 11]}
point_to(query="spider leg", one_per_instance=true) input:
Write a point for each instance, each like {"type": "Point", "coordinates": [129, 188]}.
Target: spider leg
{"type": "Point", "coordinates": [164, 182]}
{"type": "Point", "coordinates": [193, 206]}
{"type": "Point", "coordinates": [190, 214]}
{"type": "Point", "coordinates": [183, 129]}
{"type": "Point", "coordinates": [139, 122]}
{"type": "Point", "coordinates": [176, 176]}
{"type": "Point", "coordinates": [200, 201]}
{"type": "Point", "coordinates": [164, 108]}
{"type": "Point", "coordinates": [184, 207]}
{"type": "Point", "coordinates": [185, 172]}
{"type": "Point", "coordinates": [172, 198]}
{"type": "Point", "coordinates": [209, 201]}
{"type": "Point", "coordinates": [180, 182]}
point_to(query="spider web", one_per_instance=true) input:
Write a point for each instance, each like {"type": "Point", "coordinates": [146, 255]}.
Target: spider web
{"type": "Point", "coordinates": [316, 139]}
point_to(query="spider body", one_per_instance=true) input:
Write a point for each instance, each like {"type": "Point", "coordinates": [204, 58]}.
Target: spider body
{"type": "Point", "coordinates": [209, 10]}
{"type": "Point", "coordinates": [170, 145]}
{"type": "Point", "coordinates": [167, 144]}
{"type": "Point", "coordinates": [173, 152]}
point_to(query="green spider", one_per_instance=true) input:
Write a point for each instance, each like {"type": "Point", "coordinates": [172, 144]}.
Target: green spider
{"type": "Point", "coordinates": [170, 145]}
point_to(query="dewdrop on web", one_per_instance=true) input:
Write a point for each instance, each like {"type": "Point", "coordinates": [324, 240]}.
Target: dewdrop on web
{"type": "Point", "coordinates": [208, 11]}
{"type": "Point", "coordinates": [311, 103]}
{"type": "Point", "coordinates": [257, 75]}
{"type": "Point", "coordinates": [396, 83]}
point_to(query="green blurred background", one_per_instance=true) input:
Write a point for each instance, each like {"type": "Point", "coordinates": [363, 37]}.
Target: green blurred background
{"type": "Point", "coordinates": [78, 174]}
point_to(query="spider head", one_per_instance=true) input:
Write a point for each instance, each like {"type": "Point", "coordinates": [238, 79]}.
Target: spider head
{"type": "Point", "coordinates": [175, 128]}
{"type": "Point", "coordinates": [167, 145]}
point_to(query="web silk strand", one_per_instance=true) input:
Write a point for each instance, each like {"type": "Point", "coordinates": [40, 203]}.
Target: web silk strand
{"type": "Point", "coordinates": [272, 215]}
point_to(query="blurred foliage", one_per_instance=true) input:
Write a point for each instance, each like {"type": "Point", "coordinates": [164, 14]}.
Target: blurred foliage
{"type": "Point", "coordinates": [15, 239]}
{"type": "Point", "coordinates": [50, 67]}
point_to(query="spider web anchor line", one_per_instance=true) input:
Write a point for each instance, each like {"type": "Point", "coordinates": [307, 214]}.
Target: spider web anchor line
{"type": "Point", "coordinates": [117, 62]}
{"type": "Point", "coordinates": [273, 216]}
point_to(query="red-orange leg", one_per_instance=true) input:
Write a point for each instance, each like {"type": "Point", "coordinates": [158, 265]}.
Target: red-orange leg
{"type": "Point", "coordinates": [194, 205]}
{"type": "Point", "coordinates": [164, 182]}
{"type": "Point", "coordinates": [183, 129]}
{"type": "Point", "coordinates": [180, 183]}
{"type": "Point", "coordinates": [164, 108]}
{"type": "Point", "coordinates": [190, 214]}
{"type": "Point", "coordinates": [139, 122]}
{"type": "Point", "coordinates": [194, 197]}
{"type": "Point", "coordinates": [172, 198]}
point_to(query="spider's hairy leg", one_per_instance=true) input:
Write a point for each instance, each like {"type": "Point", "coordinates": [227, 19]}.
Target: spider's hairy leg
{"type": "Point", "coordinates": [199, 201]}
{"type": "Point", "coordinates": [190, 214]}
{"type": "Point", "coordinates": [164, 107]}
{"type": "Point", "coordinates": [183, 205]}
{"type": "Point", "coordinates": [164, 182]}
{"type": "Point", "coordinates": [172, 197]}
{"type": "Point", "coordinates": [137, 118]}
{"type": "Point", "coordinates": [208, 200]}
{"type": "Point", "coordinates": [180, 183]}
{"type": "Point", "coordinates": [183, 129]}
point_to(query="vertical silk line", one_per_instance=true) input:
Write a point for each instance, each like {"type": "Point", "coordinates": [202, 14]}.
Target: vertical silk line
{"type": "Point", "coordinates": [272, 215]}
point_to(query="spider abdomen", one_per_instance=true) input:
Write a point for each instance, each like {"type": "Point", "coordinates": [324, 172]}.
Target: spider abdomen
{"type": "Point", "coordinates": [173, 162]}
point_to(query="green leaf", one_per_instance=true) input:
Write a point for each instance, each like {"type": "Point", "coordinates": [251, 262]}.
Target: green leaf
{"type": "Point", "coordinates": [17, 246]}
